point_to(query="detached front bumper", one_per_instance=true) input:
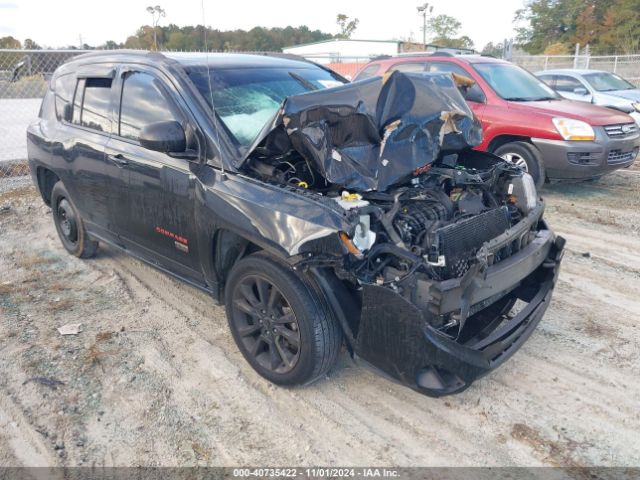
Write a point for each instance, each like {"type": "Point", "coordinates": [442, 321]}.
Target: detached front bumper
{"type": "Point", "coordinates": [397, 338]}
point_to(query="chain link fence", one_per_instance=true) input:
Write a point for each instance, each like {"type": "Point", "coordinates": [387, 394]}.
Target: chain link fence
{"type": "Point", "coordinates": [24, 76]}
{"type": "Point", "coordinates": [347, 66]}
{"type": "Point", "coordinates": [627, 66]}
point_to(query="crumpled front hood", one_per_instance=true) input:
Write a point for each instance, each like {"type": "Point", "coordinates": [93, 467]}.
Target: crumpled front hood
{"type": "Point", "coordinates": [372, 134]}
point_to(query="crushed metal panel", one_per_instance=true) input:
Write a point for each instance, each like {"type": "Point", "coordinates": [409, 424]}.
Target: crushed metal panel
{"type": "Point", "coordinates": [372, 134]}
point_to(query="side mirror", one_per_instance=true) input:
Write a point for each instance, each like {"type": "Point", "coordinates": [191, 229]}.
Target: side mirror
{"type": "Point", "coordinates": [165, 137]}
{"type": "Point", "coordinates": [475, 94]}
{"type": "Point", "coordinates": [580, 91]}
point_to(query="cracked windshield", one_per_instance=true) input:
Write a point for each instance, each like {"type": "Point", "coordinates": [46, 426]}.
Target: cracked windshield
{"type": "Point", "coordinates": [245, 103]}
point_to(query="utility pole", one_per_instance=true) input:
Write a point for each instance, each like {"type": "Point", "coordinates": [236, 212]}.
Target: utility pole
{"type": "Point", "coordinates": [156, 12]}
{"type": "Point", "coordinates": [424, 10]}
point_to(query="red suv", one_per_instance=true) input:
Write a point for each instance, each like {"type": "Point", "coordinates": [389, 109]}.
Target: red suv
{"type": "Point", "coordinates": [526, 122]}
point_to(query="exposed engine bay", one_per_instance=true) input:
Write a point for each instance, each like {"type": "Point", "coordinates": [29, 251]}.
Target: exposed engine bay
{"type": "Point", "coordinates": [396, 155]}
{"type": "Point", "coordinates": [435, 222]}
{"type": "Point", "coordinates": [433, 228]}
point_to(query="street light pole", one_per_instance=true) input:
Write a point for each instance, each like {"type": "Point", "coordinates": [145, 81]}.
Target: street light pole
{"type": "Point", "coordinates": [424, 10]}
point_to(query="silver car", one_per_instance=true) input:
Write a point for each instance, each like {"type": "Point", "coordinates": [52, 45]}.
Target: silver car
{"type": "Point", "coordinates": [597, 87]}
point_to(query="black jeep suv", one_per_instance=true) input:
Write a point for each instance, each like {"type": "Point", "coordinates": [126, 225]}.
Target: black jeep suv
{"type": "Point", "coordinates": [318, 211]}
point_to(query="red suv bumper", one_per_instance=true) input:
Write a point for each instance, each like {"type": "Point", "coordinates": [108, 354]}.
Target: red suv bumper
{"type": "Point", "coordinates": [576, 160]}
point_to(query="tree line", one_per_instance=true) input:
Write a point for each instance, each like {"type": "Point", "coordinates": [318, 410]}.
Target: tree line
{"type": "Point", "coordinates": [444, 30]}
{"type": "Point", "coordinates": [189, 38]}
{"type": "Point", "coordinates": [555, 26]}
{"type": "Point", "coordinates": [192, 38]}
{"type": "Point", "coordinates": [550, 27]}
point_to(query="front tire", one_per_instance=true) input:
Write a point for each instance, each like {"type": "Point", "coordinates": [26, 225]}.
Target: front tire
{"type": "Point", "coordinates": [526, 156]}
{"type": "Point", "coordinates": [280, 325]}
{"type": "Point", "coordinates": [69, 224]}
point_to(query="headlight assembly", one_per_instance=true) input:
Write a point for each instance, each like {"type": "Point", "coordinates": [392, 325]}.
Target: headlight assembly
{"type": "Point", "coordinates": [523, 189]}
{"type": "Point", "coordinates": [571, 129]}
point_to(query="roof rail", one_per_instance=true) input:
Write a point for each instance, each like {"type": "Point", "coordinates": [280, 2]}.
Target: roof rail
{"type": "Point", "coordinates": [412, 54]}
{"type": "Point", "coordinates": [437, 53]}
{"type": "Point", "coordinates": [442, 53]}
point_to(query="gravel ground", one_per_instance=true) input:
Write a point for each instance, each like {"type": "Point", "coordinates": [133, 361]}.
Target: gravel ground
{"type": "Point", "coordinates": [154, 378]}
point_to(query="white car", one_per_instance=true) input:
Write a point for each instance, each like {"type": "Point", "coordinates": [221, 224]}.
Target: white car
{"type": "Point", "coordinates": [597, 87]}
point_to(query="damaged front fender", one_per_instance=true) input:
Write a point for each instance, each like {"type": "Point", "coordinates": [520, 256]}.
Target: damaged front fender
{"type": "Point", "coordinates": [286, 222]}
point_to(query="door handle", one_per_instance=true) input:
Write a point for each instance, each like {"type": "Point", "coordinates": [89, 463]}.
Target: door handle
{"type": "Point", "coordinates": [118, 159]}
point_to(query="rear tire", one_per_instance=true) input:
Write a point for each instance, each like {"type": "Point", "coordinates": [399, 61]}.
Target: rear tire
{"type": "Point", "coordinates": [282, 328]}
{"type": "Point", "coordinates": [69, 224]}
{"type": "Point", "coordinates": [526, 155]}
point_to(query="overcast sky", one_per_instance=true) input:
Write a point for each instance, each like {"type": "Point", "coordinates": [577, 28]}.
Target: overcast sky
{"type": "Point", "coordinates": [61, 22]}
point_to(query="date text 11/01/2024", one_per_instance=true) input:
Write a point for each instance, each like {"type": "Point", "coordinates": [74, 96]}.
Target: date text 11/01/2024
{"type": "Point", "coordinates": [318, 472]}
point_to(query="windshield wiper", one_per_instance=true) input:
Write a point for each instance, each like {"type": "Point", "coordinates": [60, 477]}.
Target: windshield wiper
{"type": "Point", "coordinates": [303, 81]}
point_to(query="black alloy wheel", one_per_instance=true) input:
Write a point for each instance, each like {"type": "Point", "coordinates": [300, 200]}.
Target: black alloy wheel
{"type": "Point", "coordinates": [279, 320]}
{"type": "Point", "coordinates": [266, 324]}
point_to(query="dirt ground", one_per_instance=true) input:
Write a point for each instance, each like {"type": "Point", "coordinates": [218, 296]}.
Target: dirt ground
{"type": "Point", "coordinates": [154, 378]}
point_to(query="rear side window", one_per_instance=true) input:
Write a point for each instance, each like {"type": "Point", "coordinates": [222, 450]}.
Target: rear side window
{"type": "Point", "coordinates": [472, 94]}
{"type": "Point", "coordinates": [368, 72]}
{"type": "Point", "coordinates": [77, 102]}
{"type": "Point", "coordinates": [409, 67]}
{"type": "Point", "coordinates": [63, 88]}
{"type": "Point", "coordinates": [47, 107]}
{"type": "Point", "coordinates": [143, 102]}
{"type": "Point", "coordinates": [446, 67]}
{"type": "Point", "coordinates": [91, 104]}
